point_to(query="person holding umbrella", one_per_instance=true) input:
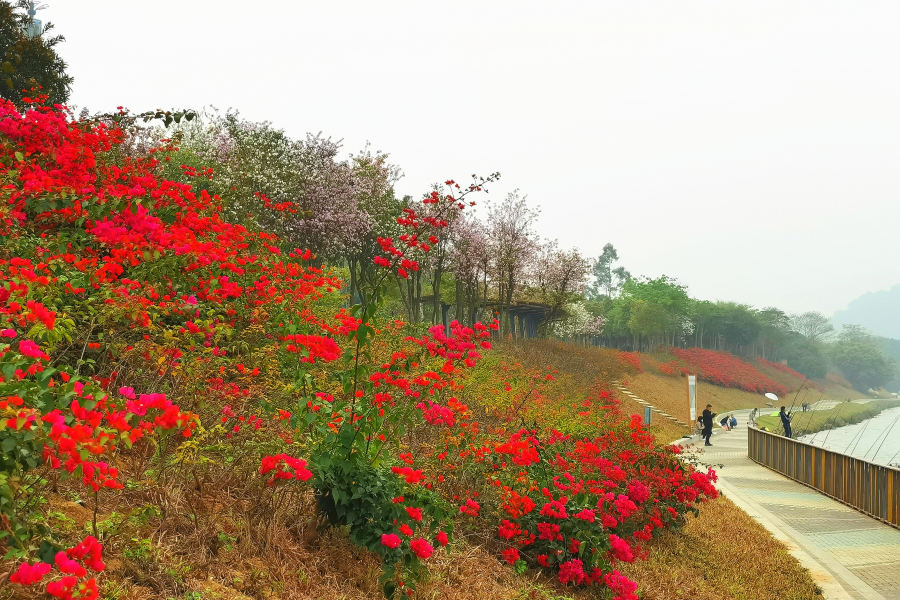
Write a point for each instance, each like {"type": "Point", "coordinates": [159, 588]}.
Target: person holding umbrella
{"type": "Point", "coordinates": [785, 422]}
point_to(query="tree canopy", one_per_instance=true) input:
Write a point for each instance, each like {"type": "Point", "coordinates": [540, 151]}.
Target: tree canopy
{"type": "Point", "coordinates": [29, 64]}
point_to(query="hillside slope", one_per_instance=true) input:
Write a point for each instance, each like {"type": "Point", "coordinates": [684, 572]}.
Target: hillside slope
{"type": "Point", "coordinates": [668, 391]}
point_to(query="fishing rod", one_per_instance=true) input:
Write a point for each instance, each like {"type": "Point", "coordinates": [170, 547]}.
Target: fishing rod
{"type": "Point", "coordinates": [812, 412]}
{"type": "Point", "coordinates": [861, 431]}
{"type": "Point", "coordinates": [831, 419]}
{"type": "Point", "coordinates": [853, 439]}
{"type": "Point", "coordinates": [890, 462]}
{"type": "Point", "coordinates": [791, 409]}
{"type": "Point", "coordinates": [802, 402]}
{"type": "Point", "coordinates": [886, 435]}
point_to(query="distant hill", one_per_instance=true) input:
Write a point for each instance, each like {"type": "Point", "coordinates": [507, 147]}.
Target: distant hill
{"type": "Point", "coordinates": [878, 312]}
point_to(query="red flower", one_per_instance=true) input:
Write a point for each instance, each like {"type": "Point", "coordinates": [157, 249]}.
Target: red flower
{"type": "Point", "coordinates": [510, 555]}
{"type": "Point", "coordinates": [391, 540]}
{"type": "Point", "coordinates": [470, 508]}
{"type": "Point", "coordinates": [414, 513]}
{"type": "Point", "coordinates": [442, 538]}
{"type": "Point", "coordinates": [421, 548]}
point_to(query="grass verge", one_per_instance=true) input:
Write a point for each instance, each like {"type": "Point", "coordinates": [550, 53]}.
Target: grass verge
{"type": "Point", "coordinates": [846, 413]}
{"type": "Point", "coordinates": [722, 555]}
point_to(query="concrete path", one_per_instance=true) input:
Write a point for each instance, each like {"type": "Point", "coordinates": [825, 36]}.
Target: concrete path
{"type": "Point", "coordinates": [850, 555]}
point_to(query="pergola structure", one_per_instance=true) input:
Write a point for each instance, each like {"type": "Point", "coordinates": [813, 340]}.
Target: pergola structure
{"type": "Point", "coordinates": [525, 317]}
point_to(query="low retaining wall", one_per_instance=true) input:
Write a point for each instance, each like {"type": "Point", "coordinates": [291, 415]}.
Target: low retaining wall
{"type": "Point", "coordinates": [867, 487]}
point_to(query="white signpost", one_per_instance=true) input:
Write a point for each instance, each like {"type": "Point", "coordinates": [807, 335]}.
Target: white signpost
{"type": "Point", "coordinates": [692, 396]}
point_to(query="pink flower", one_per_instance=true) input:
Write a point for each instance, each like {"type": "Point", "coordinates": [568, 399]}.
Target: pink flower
{"type": "Point", "coordinates": [391, 540]}
{"type": "Point", "coordinates": [586, 515]}
{"type": "Point", "coordinates": [620, 549]}
{"type": "Point", "coordinates": [29, 574]}
{"type": "Point", "coordinates": [638, 492]}
{"type": "Point", "coordinates": [622, 587]}
{"type": "Point", "coordinates": [571, 571]}
{"type": "Point", "coordinates": [69, 566]}
{"type": "Point", "coordinates": [9, 333]}
{"type": "Point", "coordinates": [30, 349]}
{"type": "Point", "coordinates": [555, 509]}
{"type": "Point", "coordinates": [421, 548]}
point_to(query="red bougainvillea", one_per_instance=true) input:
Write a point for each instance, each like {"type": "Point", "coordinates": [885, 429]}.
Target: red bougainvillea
{"type": "Point", "coordinates": [727, 370]}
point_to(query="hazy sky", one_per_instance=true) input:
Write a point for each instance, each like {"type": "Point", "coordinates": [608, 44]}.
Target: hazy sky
{"type": "Point", "coordinates": [749, 149]}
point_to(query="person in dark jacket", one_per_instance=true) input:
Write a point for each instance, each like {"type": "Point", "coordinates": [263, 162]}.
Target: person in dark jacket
{"type": "Point", "coordinates": [785, 422]}
{"type": "Point", "coordinates": [708, 423]}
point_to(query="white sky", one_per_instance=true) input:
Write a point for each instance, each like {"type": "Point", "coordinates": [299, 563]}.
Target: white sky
{"type": "Point", "coordinates": [749, 149]}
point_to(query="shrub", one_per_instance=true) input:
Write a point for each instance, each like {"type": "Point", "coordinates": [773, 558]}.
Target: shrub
{"type": "Point", "coordinates": [727, 370]}
{"type": "Point", "coordinates": [138, 326]}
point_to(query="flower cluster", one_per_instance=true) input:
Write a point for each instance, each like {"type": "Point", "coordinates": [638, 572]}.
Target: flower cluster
{"type": "Point", "coordinates": [73, 565]}
{"type": "Point", "coordinates": [727, 370]}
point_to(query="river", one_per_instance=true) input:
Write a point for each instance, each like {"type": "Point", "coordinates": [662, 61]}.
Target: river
{"type": "Point", "coordinates": [876, 440]}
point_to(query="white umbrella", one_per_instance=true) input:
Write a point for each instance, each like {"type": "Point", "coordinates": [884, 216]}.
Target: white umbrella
{"type": "Point", "coordinates": [771, 396]}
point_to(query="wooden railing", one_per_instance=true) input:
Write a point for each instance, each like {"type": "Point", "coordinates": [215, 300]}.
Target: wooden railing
{"type": "Point", "coordinates": [867, 487]}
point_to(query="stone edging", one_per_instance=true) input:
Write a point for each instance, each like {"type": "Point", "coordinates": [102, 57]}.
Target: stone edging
{"type": "Point", "coordinates": [645, 403]}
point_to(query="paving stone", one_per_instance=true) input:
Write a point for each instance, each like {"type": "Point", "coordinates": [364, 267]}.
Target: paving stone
{"type": "Point", "coordinates": [869, 549]}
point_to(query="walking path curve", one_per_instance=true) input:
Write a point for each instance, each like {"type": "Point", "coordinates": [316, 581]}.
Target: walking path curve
{"type": "Point", "coordinates": [850, 555]}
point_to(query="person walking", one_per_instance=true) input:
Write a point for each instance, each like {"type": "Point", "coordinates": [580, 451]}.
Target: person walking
{"type": "Point", "coordinates": [708, 424]}
{"type": "Point", "coordinates": [785, 422]}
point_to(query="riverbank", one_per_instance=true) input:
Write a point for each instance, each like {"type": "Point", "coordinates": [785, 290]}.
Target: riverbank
{"type": "Point", "coordinates": [839, 415]}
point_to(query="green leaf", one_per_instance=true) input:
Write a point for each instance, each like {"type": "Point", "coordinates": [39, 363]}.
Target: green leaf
{"type": "Point", "coordinates": [8, 444]}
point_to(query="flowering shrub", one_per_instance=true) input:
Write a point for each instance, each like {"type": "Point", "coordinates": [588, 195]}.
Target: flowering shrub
{"type": "Point", "coordinates": [135, 321]}
{"type": "Point", "coordinates": [579, 505]}
{"type": "Point", "coordinates": [667, 368]}
{"type": "Point", "coordinates": [631, 358]}
{"type": "Point", "coordinates": [727, 370]}
{"type": "Point", "coordinates": [73, 565]}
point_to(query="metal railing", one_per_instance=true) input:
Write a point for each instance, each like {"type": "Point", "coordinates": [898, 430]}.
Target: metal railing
{"type": "Point", "coordinates": [867, 487]}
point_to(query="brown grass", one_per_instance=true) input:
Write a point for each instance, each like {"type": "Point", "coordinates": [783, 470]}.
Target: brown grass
{"type": "Point", "coordinates": [669, 393]}
{"type": "Point", "coordinates": [722, 555]}
{"type": "Point", "coordinates": [241, 548]}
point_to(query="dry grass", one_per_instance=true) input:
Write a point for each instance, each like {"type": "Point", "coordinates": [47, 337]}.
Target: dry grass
{"type": "Point", "coordinates": [237, 547]}
{"type": "Point", "coordinates": [722, 555]}
{"type": "Point", "coordinates": [669, 393]}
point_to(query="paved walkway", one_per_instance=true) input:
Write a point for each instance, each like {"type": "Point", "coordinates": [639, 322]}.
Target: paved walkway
{"type": "Point", "coordinates": [850, 555]}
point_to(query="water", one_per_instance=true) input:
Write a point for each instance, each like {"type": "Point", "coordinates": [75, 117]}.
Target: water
{"type": "Point", "coordinates": [876, 440]}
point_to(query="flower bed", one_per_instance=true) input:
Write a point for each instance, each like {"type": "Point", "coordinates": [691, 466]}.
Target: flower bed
{"type": "Point", "coordinates": [136, 322]}
{"type": "Point", "coordinates": [727, 370]}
